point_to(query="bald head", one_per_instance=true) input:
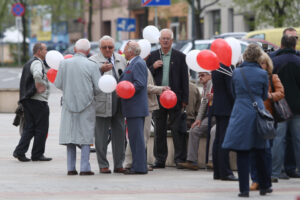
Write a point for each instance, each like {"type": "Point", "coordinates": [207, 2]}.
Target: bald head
{"type": "Point", "coordinates": [82, 45]}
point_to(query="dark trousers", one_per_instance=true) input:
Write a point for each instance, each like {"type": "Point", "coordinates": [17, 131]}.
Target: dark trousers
{"type": "Point", "coordinates": [289, 155]}
{"type": "Point", "coordinates": [220, 155]}
{"type": "Point", "coordinates": [243, 164]}
{"type": "Point", "coordinates": [36, 115]}
{"type": "Point", "coordinates": [137, 143]}
{"type": "Point", "coordinates": [268, 164]}
{"type": "Point", "coordinates": [160, 149]}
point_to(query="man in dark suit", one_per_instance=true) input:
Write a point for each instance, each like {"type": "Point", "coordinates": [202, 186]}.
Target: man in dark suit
{"type": "Point", "coordinates": [168, 68]}
{"type": "Point", "coordinates": [135, 109]}
{"type": "Point", "coordinates": [222, 105]}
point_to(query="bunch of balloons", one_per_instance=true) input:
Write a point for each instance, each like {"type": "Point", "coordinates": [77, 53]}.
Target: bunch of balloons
{"type": "Point", "coordinates": [53, 59]}
{"type": "Point", "coordinates": [226, 51]}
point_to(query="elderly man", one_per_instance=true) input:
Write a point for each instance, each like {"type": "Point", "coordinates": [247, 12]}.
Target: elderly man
{"type": "Point", "coordinates": [108, 109]}
{"type": "Point", "coordinates": [168, 68]}
{"type": "Point", "coordinates": [78, 78]}
{"type": "Point", "coordinates": [200, 126]}
{"type": "Point", "coordinates": [34, 93]}
{"type": "Point", "coordinates": [135, 109]}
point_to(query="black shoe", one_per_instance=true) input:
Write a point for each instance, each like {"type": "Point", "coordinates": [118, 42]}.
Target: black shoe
{"type": "Point", "coordinates": [283, 176]}
{"type": "Point", "coordinates": [129, 172]}
{"type": "Point", "coordinates": [42, 158]}
{"type": "Point", "coordinates": [274, 180]}
{"type": "Point", "coordinates": [22, 158]}
{"type": "Point", "coordinates": [92, 150]}
{"type": "Point", "coordinates": [243, 194]}
{"type": "Point", "coordinates": [293, 174]}
{"type": "Point", "coordinates": [230, 178]}
{"type": "Point", "coordinates": [158, 165]}
{"type": "Point", "coordinates": [265, 191]}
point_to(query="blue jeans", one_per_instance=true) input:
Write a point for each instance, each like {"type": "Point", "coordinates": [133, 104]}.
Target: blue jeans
{"type": "Point", "coordinates": [85, 158]}
{"type": "Point", "coordinates": [279, 144]}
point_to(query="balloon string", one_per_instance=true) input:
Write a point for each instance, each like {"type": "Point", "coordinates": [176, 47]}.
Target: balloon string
{"type": "Point", "coordinates": [224, 72]}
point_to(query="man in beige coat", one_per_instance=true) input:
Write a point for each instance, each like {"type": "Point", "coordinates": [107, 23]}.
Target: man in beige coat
{"type": "Point", "coordinates": [108, 109]}
{"type": "Point", "coordinates": [152, 91]}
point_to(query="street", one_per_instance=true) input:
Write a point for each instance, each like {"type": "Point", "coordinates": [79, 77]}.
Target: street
{"type": "Point", "coordinates": [49, 180]}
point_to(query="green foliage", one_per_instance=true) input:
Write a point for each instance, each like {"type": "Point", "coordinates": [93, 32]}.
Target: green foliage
{"type": "Point", "coordinates": [277, 13]}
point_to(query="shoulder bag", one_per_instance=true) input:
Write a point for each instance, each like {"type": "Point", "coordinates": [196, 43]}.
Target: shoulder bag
{"type": "Point", "coordinates": [281, 108]}
{"type": "Point", "coordinates": [264, 120]}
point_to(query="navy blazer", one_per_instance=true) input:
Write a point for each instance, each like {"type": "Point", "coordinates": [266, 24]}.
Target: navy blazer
{"type": "Point", "coordinates": [178, 74]}
{"type": "Point", "coordinates": [136, 73]}
{"type": "Point", "coordinates": [223, 98]}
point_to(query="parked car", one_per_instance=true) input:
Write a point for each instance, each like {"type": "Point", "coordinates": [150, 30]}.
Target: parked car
{"type": "Point", "coordinates": [237, 35]}
{"type": "Point", "coordinates": [265, 45]}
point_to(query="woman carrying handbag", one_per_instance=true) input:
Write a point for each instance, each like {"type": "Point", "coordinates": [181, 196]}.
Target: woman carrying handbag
{"type": "Point", "coordinates": [274, 95]}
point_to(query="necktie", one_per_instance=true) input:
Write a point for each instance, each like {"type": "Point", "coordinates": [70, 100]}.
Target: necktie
{"type": "Point", "coordinates": [113, 69]}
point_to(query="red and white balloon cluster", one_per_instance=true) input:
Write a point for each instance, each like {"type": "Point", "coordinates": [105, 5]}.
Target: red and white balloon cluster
{"type": "Point", "coordinates": [225, 51]}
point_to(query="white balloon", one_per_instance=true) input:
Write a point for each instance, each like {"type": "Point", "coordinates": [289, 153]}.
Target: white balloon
{"type": "Point", "coordinates": [236, 49]}
{"type": "Point", "coordinates": [107, 83]}
{"type": "Point", "coordinates": [151, 33]}
{"type": "Point", "coordinates": [53, 59]}
{"type": "Point", "coordinates": [191, 61]}
{"type": "Point", "coordinates": [145, 48]}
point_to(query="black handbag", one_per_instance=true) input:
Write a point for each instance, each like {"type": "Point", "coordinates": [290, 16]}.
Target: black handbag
{"type": "Point", "coordinates": [281, 108]}
{"type": "Point", "coordinates": [264, 120]}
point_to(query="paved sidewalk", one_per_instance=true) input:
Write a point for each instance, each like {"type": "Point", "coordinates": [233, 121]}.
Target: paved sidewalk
{"type": "Point", "coordinates": [48, 180]}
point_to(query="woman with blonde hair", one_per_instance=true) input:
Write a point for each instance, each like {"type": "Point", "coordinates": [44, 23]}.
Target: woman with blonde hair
{"type": "Point", "coordinates": [278, 93]}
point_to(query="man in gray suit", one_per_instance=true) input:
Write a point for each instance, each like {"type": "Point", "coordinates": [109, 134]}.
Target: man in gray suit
{"type": "Point", "coordinates": [78, 78]}
{"type": "Point", "coordinates": [108, 109]}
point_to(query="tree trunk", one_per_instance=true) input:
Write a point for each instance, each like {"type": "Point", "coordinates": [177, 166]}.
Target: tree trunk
{"type": "Point", "coordinates": [24, 32]}
{"type": "Point", "coordinates": [197, 21]}
{"type": "Point", "coordinates": [90, 20]}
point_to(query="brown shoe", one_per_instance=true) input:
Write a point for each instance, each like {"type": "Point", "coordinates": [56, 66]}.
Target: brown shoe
{"type": "Point", "coordinates": [209, 165]}
{"type": "Point", "coordinates": [70, 173]}
{"type": "Point", "coordinates": [254, 186]}
{"type": "Point", "coordinates": [188, 165]}
{"type": "Point", "coordinates": [86, 173]}
{"type": "Point", "coordinates": [119, 170]}
{"type": "Point", "coordinates": [105, 170]}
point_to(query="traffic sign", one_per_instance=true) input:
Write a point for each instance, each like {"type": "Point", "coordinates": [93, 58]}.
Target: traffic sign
{"type": "Point", "coordinates": [126, 24]}
{"type": "Point", "coordinates": [156, 2]}
{"type": "Point", "coordinates": [18, 9]}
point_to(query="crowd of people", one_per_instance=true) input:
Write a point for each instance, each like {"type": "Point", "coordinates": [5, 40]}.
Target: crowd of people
{"type": "Point", "coordinates": [225, 114]}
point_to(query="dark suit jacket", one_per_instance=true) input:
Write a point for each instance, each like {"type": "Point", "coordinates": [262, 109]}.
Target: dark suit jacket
{"type": "Point", "coordinates": [136, 73]}
{"type": "Point", "coordinates": [178, 75]}
{"type": "Point", "coordinates": [223, 98]}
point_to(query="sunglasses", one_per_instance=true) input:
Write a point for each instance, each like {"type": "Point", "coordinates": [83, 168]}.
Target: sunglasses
{"type": "Point", "coordinates": [105, 47]}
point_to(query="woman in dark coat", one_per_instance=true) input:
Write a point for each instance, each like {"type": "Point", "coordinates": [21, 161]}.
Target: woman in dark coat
{"type": "Point", "coordinates": [241, 134]}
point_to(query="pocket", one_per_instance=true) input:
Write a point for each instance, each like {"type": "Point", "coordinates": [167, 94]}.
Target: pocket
{"type": "Point", "coordinates": [100, 100]}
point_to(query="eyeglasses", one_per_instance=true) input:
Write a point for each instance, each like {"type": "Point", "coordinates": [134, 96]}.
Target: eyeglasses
{"type": "Point", "coordinates": [105, 47]}
{"type": "Point", "coordinates": [202, 75]}
{"type": "Point", "coordinates": [166, 39]}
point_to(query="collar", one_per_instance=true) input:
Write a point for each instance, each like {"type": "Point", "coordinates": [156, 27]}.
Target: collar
{"type": "Point", "coordinates": [79, 54]}
{"type": "Point", "coordinates": [130, 61]}
{"type": "Point", "coordinates": [167, 54]}
{"type": "Point", "coordinates": [250, 64]}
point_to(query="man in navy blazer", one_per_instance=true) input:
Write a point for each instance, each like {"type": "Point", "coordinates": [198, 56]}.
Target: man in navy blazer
{"type": "Point", "coordinates": [169, 68]}
{"type": "Point", "coordinates": [135, 109]}
{"type": "Point", "coordinates": [222, 105]}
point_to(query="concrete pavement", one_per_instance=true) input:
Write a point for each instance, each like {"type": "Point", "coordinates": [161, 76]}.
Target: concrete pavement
{"type": "Point", "coordinates": [48, 180]}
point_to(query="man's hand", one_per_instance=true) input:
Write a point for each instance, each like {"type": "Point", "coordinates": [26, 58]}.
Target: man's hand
{"type": "Point", "coordinates": [157, 64]}
{"type": "Point", "coordinates": [40, 87]}
{"type": "Point", "coordinates": [106, 67]}
{"type": "Point", "coordinates": [166, 88]}
{"type": "Point", "coordinates": [196, 123]}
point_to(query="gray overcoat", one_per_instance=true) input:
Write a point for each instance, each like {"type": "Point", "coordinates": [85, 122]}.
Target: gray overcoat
{"type": "Point", "coordinates": [104, 100]}
{"type": "Point", "coordinates": [78, 78]}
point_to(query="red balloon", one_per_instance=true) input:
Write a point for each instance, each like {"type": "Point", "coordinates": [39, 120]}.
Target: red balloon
{"type": "Point", "coordinates": [168, 99]}
{"type": "Point", "coordinates": [68, 56]}
{"type": "Point", "coordinates": [208, 60]}
{"type": "Point", "coordinates": [223, 51]}
{"type": "Point", "coordinates": [51, 75]}
{"type": "Point", "coordinates": [125, 89]}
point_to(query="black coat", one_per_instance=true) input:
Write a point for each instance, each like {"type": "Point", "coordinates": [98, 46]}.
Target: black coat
{"type": "Point", "coordinates": [287, 66]}
{"type": "Point", "coordinates": [222, 88]}
{"type": "Point", "coordinates": [178, 74]}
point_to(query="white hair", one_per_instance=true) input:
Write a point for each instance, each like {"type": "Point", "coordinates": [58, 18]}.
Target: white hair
{"type": "Point", "coordinates": [134, 47]}
{"type": "Point", "coordinates": [83, 44]}
{"type": "Point", "coordinates": [106, 37]}
{"type": "Point", "coordinates": [167, 30]}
